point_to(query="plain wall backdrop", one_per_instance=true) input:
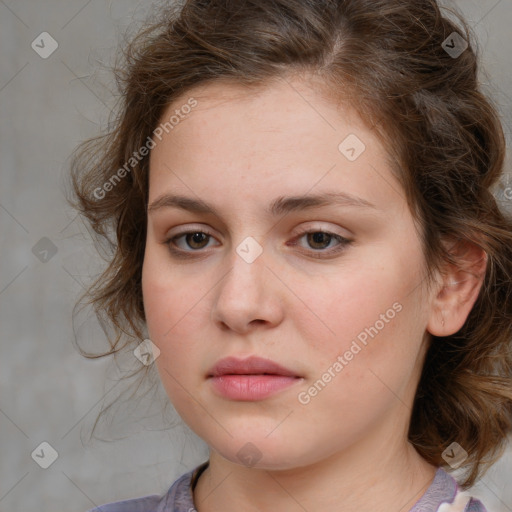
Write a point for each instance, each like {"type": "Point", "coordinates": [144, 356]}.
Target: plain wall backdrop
{"type": "Point", "coordinates": [49, 393]}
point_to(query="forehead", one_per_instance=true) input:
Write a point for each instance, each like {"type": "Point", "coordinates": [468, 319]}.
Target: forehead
{"type": "Point", "coordinates": [275, 102]}
{"type": "Point", "coordinates": [286, 132]}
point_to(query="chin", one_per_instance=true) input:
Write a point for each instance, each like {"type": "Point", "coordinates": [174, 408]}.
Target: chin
{"type": "Point", "coordinates": [263, 453]}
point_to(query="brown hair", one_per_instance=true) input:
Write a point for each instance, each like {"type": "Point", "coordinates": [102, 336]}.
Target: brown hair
{"type": "Point", "coordinates": [442, 132]}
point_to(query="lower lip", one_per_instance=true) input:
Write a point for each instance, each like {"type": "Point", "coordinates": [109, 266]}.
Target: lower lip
{"type": "Point", "coordinates": [251, 387]}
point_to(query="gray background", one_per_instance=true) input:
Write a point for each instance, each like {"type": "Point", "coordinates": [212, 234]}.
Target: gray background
{"type": "Point", "coordinates": [48, 391]}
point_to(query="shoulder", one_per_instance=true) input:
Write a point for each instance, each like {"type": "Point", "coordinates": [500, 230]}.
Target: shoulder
{"type": "Point", "coordinates": [178, 498]}
{"type": "Point", "coordinates": [475, 505]}
{"type": "Point", "coordinates": [443, 495]}
{"type": "Point", "coordinates": [463, 503]}
{"type": "Point", "coordinates": [143, 504]}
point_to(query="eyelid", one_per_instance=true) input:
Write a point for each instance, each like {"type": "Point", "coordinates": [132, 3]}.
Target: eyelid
{"type": "Point", "coordinates": [191, 229]}
{"type": "Point", "coordinates": [300, 231]}
{"type": "Point", "coordinates": [313, 227]}
{"type": "Point", "coordinates": [300, 234]}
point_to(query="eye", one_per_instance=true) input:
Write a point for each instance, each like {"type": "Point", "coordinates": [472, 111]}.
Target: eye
{"type": "Point", "coordinates": [193, 239]}
{"type": "Point", "coordinates": [320, 240]}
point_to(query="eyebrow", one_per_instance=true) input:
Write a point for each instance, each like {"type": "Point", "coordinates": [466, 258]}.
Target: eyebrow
{"type": "Point", "coordinates": [278, 206]}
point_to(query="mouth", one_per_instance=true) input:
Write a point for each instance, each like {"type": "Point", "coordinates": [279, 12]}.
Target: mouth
{"type": "Point", "coordinates": [250, 366]}
{"type": "Point", "coordinates": [250, 379]}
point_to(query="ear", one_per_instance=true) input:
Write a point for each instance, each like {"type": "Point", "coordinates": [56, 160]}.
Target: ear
{"type": "Point", "coordinates": [458, 289]}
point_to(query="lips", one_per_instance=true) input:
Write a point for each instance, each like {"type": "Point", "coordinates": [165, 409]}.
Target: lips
{"type": "Point", "coordinates": [250, 379]}
{"type": "Point", "coordinates": [251, 366]}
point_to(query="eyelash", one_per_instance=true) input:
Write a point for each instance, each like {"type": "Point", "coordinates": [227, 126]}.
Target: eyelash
{"type": "Point", "coordinates": [342, 243]}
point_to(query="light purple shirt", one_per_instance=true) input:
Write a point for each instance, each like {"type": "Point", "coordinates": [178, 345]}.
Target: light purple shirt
{"type": "Point", "coordinates": [179, 498]}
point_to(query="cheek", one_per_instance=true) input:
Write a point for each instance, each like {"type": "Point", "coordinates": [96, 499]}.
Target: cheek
{"type": "Point", "coordinates": [371, 317]}
{"type": "Point", "coordinates": [340, 307]}
{"type": "Point", "coordinates": [172, 324]}
{"type": "Point", "coordinates": [169, 307]}
{"type": "Point", "coordinates": [177, 304]}
{"type": "Point", "coordinates": [366, 370]}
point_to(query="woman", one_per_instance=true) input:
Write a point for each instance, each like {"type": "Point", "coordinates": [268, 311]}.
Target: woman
{"type": "Point", "coordinates": [300, 193]}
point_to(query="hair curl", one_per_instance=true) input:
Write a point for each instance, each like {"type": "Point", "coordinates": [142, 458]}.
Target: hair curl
{"type": "Point", "coordinates": [443, 133]}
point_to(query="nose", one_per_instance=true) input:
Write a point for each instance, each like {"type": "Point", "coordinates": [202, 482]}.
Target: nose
{"type": "Point", "coordinates": [248, 296]}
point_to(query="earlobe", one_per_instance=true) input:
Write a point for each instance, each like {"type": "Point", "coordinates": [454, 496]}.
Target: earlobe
{"type": "Point", "coordinates": [458, 289]}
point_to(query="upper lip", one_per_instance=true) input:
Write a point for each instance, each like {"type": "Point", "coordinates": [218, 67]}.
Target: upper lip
{"type": "Point", "coordinates": [252, 365]}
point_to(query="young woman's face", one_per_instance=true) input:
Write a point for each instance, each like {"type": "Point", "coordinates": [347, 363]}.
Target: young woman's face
{"type": "Point", "coordinates": [343, 310]}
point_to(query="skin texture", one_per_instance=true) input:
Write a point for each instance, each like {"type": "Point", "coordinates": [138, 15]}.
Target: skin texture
{"type": "Point", "coordinates": [239, 150]}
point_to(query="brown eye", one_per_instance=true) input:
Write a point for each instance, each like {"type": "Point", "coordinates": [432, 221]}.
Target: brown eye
{"type": "Point", "coordinates": [189, 242]}
{"type": "Point", "coordinates": [319, 239]}
{"type": "Point", "coordinates": [196, 240]}
{"type": "Point", "coordinates": [318, 244]}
